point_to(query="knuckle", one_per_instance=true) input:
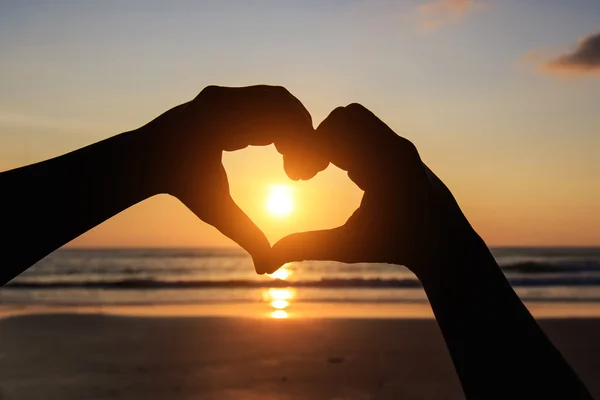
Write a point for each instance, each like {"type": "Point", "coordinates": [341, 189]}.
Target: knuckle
{"type": "Point", "coordinates": [337, 114]}
{"type": "Point", "coordinates": [408, 147]}
{"type": "Point", "coordinates": [210, 90]}
{"type": "Point", "coordinates": [259, 88]}
{"type": "Point", "coordinates": [274, 90]}
{"type": "Point", "coordinates": [334, 120]}
{"type": "Point", "coordinates": [356, 107]}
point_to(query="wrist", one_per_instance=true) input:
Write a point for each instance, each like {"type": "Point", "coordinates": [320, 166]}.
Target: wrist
{"type": "Point", "coordinates": [141, 164]}
{"type": "Point", "coordinates": [463, 280]}
{"type": "Point", "coordinates": [453, 257]}
{"type": "Point", "coordinates": [174, 147]}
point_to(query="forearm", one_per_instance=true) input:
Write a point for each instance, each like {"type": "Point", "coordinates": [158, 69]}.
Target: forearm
{"type": "Point", "coordinates": [46, 205]}
{"type": "Point", "coordinates": [498, 349]}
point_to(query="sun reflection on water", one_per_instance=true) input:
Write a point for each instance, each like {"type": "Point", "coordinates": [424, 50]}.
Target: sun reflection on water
{"type": "Point", "coordinates": [280, 304]}
{"type": "Point", "coordinates": [279, 298]}
{"type": "Point", "coordinates": [279, 314]}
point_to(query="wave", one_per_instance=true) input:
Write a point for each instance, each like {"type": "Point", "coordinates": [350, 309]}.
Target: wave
{"type": "Point", "coordinates": [157, 253]}
{"type": "Point", "coordinates": [357, 283]}
{"type": "Point", "coordinates": [540, 267]}
{"type": "Point", "coordinates": [225, 284]}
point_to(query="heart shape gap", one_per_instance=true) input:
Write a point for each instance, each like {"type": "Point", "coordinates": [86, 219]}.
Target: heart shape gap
{"type": "Point", "coordinates": [323, 202]}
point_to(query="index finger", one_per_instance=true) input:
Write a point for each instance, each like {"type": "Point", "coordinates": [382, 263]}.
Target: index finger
{"type": "Point", "coordinates": [252, 116]}
{"type": "Point", "coordinates": [355, 140]}
{"type": "Point", "coordinates": [262, 115]}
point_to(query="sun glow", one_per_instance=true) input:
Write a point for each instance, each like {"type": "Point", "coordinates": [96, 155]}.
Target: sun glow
{"type": "Point", "coordinates": [282, 273]}
{"type": "Point", "coordinates": [280, 201]}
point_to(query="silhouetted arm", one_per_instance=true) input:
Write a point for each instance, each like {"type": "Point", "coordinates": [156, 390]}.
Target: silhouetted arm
{"type": "Point", "coordinates": [498, 349]}
{"type": "Point", "coordinates": [46, 205]}
{"type": "Point", "coordinates": [407, 216]}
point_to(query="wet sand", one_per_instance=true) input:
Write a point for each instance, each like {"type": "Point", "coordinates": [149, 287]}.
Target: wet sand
{"type": "Point", "coordinates": [109, 357]}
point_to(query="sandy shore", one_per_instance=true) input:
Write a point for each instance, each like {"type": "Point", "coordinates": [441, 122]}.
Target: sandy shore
{"type": "Point", "coordinates": [107, 357]}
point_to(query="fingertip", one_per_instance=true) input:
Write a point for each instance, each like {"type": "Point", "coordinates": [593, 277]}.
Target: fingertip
{"type": "Point", "coordinates": [284, 146]}
{"type": "Point", "coordinates": [259, 267]}
{"type": "Point", "coordinates": [290, 166]}
{"type": "Point", "coordinates": [303, 165]}
{"type": "Point", "coordinates": [309, 175]}
{"type": "Point", "coordinates": [231, 220]}
{"type": "Point", "coordinates": [274, 267]}
{"type": "Point", "coordinates": [264, 264]}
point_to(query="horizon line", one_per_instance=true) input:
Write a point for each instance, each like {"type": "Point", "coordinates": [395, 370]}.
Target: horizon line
{"type": "Point", "coordinates": [68, 247]}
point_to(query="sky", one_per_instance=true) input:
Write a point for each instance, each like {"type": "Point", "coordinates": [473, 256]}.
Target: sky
{"type": "Point", "coordinates": [501, 97]}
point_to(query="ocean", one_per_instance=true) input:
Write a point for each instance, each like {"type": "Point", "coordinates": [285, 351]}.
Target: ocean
{"type": "Point", "coordinates": [215, 277]}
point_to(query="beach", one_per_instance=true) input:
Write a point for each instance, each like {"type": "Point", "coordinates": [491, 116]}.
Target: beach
{"type": "Point", "coordinates": [200, 324]}
{"type": "Point", "coordinates": [94, 356]}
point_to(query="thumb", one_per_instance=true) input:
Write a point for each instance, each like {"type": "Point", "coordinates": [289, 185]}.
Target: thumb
{"type": "Point", "coordinates": [219, 210]}
{"type": "Point", "coordinates": [329, 244]}
{"type": "Point", "coordinates": [230, 220]}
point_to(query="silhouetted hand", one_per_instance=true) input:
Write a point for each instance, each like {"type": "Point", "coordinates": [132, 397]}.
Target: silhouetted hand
{"type": "Point", "coordinates": [406, 213]}
{"type": "Point", "coordinates": [408, 216]}
{"type": "Point", "coordinates": [178, 153]}
{"type": "Point", "coordinates": [189, 141]}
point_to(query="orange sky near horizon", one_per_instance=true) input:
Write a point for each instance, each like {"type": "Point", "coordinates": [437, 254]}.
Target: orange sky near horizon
{"type": "Point", "coordinates": [330, 198]}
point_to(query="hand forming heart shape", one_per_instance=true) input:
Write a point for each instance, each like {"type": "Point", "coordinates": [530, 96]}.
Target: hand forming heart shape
{"type": "Point", "coordinates": [405, 212]}
{"type": "Point", "coordinates": [407, 216]}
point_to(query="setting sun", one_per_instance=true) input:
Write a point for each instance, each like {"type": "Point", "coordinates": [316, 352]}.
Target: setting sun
{"type": "Point", "coordinates": [279, 200]}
